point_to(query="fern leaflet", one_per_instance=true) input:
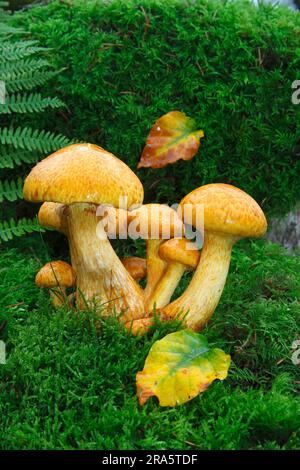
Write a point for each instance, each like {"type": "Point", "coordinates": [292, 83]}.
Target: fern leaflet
{"type": "Point", "coordinates": [11, 228]}
{"type": "Point", "coordinates": [27, 81]}
{"type": "Point", "coordinates": [11, 190]}
{"type": "Point", "coordinates": [29, 103]}
{"type": "Point", "coordinates": [32, 139]}
{"type": "Point", "coordinates": [10, 157]}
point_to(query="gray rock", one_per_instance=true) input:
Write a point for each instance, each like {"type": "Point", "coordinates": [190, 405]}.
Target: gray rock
{"type": "Point", "coordinates": [286, 230]}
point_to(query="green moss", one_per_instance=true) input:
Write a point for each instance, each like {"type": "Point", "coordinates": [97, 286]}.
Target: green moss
{"type": "Point", "coordinates": [229, 65]}
{"type": "Point", "coordinates": [66, 387]}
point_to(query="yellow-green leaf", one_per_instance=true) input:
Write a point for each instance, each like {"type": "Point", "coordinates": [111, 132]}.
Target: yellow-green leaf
{"type": "Point", "coordinates": [173, 137]}
{"type": "Point", "coordinates": [179, 367]}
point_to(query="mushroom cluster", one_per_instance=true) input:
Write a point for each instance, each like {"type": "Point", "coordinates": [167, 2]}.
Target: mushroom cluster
{"type": "Point", "coordinates": [75, 181]}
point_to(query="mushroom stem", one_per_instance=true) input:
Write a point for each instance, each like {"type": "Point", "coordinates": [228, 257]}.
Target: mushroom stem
{"type": "Point", "coordinates": [58, 296]}
{"type": "Point", "coordinates": [101, 276]}
{"type": "Point", "coordinates": [200, 299]}
{"type": "Point", "coordinates": [167, 285]}
{"type": "Point", "coordinates": [155, 267]}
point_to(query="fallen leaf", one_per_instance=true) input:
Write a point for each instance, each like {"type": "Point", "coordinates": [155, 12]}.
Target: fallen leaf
{"type": "Point", "coordinates": [173, 137]}
{"type": "Point", "coordinates": [179, 367]}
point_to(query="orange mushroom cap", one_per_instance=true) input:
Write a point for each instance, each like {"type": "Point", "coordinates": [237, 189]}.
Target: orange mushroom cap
{"type": "Point", "coordinates": [54, 274]}
{"type": "Point", "coordinates": [83, 173]}
{"type": "Point", "coordinates": [157, 221]}
{"type": "Point", "coordinates": [227, 210]}
{"type": "Point", "coordinates": [179, 250]}
{"type": "Point", "coordinates": [137, 267]}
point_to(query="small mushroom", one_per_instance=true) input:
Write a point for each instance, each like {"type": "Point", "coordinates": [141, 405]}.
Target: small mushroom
{"type": "Point", "coordinates": [82, 176]}
{"type": "Point", "coordinates": [180, 254]}
{"type": "Point", "coordinates": [155, 223]}
{"type": "Point", "coordinates": [229, 215]}
{"type": "Point", "coordinates": [137, 267]}
{"type": "Point", "coordinates": [56, 276]}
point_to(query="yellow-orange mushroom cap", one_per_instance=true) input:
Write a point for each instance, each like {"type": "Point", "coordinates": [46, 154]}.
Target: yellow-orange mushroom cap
{"type": "Point", "coordinates": [156, 219]}
{"type": "Point", "coordinates": [137, 267]}
{"type": "Point", "coordinates": [83, 173]}
{"type": "Point", "coordinates": [54, 274]}
{"type": "Point", "coordinates": [227, 209]}
{"type": "Point", "coordinates": [177, 250]}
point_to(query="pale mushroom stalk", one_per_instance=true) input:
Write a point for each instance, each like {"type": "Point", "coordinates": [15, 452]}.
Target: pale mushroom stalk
{"type": "Point", "coordinates": [180, 254]}
{"type": "Point", "coordinates": [155, 267]}
{"type": "Point", "coordinates": [101, 276]}
{"type": "Point", "coordinates": [54, 215]}
{"type": "Point", "coordinates": [115, 223]}
{"type": "Point", "coordinates": [166, 286]}
{"type": "Point", "coordinates": [202, 295]}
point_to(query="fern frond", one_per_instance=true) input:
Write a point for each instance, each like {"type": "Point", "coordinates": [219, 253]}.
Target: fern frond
{"type": "Point", "coordinates": [32, 139]}
{"type": "Point", "coordinates": [11, 190]}
{"type": "Point", "coordinates": [10, 71]}
{"type": "Point", "coordinates": [10, 157]}
{"type": "Point", "coordinates": [29, 103]}
{"type": "Point", "coordinates": [19, 44]}
{"type": "Point", "coordinates": [29, 81]}
{"type": "Point", "coordinates": [13, 228]}
{"type": "Point", "coordinates": [16, 51]}
{"type": "Point", "coordinates": [21, 70]}
{"type": "Point", "coordinates": [5, 29]}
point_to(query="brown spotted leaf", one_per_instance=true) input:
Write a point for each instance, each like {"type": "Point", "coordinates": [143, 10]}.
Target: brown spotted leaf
{"type": "Point", "coordinates": [179, 367]}
{"type": "Point", "coordinates": [173, 137]}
